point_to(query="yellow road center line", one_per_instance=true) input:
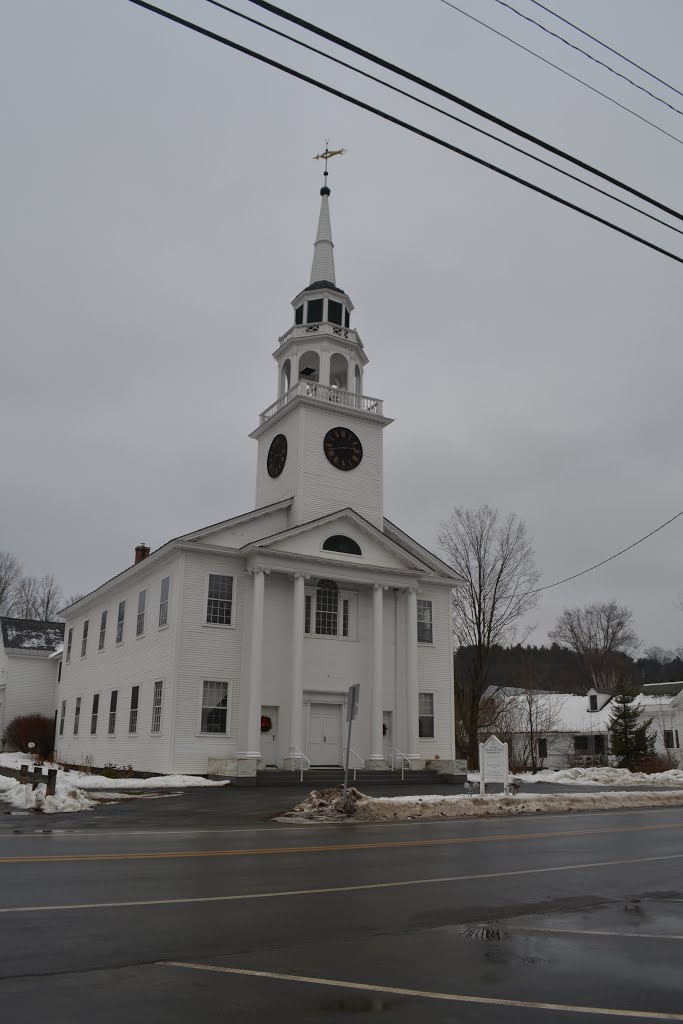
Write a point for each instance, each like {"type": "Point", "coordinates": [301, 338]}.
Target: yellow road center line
{"type": "Point", "coordinates": [448, 997]}
{"type": "Point", "coordinates": [330, 848]}
{"type": "Point", "coordinates": [328, 890]}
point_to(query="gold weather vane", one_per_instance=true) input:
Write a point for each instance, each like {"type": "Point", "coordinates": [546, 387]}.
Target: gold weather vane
{"type": "Point", "coordinates": [328, 154]}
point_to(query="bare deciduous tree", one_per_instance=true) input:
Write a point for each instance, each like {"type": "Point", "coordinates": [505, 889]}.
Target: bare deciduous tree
{"type": "Point", "coordinates": [26, 598]}
{"type": "Point", "coordinates": [598, 634]}
{"type": "Point", "coordinates": [49, 598]}
{"type": "Point", "coordinates": [11, 572]}
{"type": "Point", "coordinates": [495, 557]}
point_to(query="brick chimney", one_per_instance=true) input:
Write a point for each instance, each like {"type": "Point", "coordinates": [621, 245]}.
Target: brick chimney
{"type": "Point", "coordinates": [141, 551]}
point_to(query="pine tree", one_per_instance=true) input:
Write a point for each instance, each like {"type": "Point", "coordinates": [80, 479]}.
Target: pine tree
{"type": "Point", "coordinates": [630, 734]}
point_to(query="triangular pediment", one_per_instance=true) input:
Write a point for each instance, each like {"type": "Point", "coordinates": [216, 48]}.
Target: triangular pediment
{"type": "Point", "coordinates": [309, 539]}
{"type": "Point", "coordinates": [244, 529]}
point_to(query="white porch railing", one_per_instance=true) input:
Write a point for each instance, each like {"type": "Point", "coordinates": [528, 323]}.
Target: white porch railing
{"type": "Point", "coordinates": [359, 760]}
{"type": "Point", "coordinates": [323, 393]}
{"type": "Point", "coordinates": [405, 761]}
{"type": "Point", "coordinates": [298, 755]}
{"type": "Point", "coordinates": [305, 330]}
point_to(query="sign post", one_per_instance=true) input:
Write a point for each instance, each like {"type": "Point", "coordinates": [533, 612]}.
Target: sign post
{"type": "Point", "coordinates": [494, 763]}
{"type": "Point", "coordinates": [351, 712]}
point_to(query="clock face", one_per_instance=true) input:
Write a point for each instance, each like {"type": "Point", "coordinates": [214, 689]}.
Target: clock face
{"type": "Point", "coordinates": [342, 448]}
{"type": "Point", "coordinates": [277, 455]}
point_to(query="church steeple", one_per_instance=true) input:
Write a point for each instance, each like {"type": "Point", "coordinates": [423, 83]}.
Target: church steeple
{"type": "Point", "coordinates": [322, 270]}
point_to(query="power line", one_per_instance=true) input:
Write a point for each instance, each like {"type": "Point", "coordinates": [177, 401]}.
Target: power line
{"type": "Point", "coordinates": [611, 557]}
{"type": "Point", "coordinates": [388, 66]}
{"type": "Point", "coordinates": [446, 113]}
{"type": "Point", "coordinates": [563, 71]}
{"type": "Point", "coordinates": [402, 124]}
{"type": "Point", "coordinates": [606, 47]}
{"type": "Point", "coordinates": [590, 56]}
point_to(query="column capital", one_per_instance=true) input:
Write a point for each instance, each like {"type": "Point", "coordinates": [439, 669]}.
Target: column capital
{"type": "Point", "coordinates": [411, 590]}
{"type": "Point", "coordinates": [258, 570]}
{"type": "Point", "coordinates": [380, 586]}
{"type": "Point", "coordinates": [299, 576]}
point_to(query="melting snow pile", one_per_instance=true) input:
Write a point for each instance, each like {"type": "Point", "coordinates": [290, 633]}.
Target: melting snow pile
{"type": "Point", "coordinates": [328, 806]}
{"type": "Point", "coordinates": [606, 777]}
{"type": "Point", "coordinates": [23, 798]}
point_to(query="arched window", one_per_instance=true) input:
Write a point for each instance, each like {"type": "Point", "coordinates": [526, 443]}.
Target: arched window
{"type": "Point", "coordinates": [327, 608]}
{"type": "Point", "coordinates": [285, 377]}
{"type": "Point", "coordinates": [341, 543]}
{"type": "Point", "coordinates": [359, 381]}
{"type": "Point", "coordinates": [339, 372]}
{"type": "Point", "coordinates": [309, 366]}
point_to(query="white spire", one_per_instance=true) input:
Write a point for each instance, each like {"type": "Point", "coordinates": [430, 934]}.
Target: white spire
{"type": "Point", "coordinates": [323, 249]}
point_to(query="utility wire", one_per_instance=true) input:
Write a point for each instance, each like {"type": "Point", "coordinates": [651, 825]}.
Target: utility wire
{"type": "Point", "coordinates": [611, 557]}
{"type": "Point", "coordinates": [563, 71]}
{"type": "Point", "coordinates": [606, 47]}
{"type": "Point", "coordinates": [402, 124]}
{"type": "Point", "coordinates": [388, 66]}
{"type": "Point", "coordinates": [446, 113]}
{"type": "Point", "coordinates": [596, 60]}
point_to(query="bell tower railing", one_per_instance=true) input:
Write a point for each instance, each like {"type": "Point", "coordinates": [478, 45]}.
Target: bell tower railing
{"type": "Point", "coordinates": [323, 393]}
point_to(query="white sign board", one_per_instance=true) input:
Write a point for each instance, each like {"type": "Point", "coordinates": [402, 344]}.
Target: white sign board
{"type": "Point", "coordinates": [493, 763]}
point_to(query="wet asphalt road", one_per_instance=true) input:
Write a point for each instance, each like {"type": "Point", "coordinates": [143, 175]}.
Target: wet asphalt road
{"type": "Point", "coordinates": [117, 915]}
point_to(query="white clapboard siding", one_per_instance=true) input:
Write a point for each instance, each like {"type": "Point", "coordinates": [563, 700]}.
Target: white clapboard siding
{"type": "Point", "coordinates": [269, 489]}
{"type": "Point", "coordinates": [207, 652]}
{"type": "Point", "coordinates": [27, 685]}
{"type": "Point", "coordinates": [137, 661]}
{"type": "Point", "coordinates": [435, 673]}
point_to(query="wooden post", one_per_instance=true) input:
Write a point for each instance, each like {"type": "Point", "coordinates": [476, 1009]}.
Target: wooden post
{"type": "Point", "coordinates": [51, 781]}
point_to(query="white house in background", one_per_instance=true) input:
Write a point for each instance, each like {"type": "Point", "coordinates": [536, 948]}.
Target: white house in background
{"type": "Point", "coordinates": [573, 729]}
{"type": "Point", "coordinates": [29, 666]}
{"type": "Point", "coordinates": [233, 647]}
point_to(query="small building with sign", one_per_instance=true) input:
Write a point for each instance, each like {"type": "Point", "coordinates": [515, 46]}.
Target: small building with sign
{"type": "Point", "coordinates": [232, 648]}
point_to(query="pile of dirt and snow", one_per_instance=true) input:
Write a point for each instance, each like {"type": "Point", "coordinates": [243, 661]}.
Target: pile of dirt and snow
{"type": "Point", "coordinates": [604, 777]}
{"type": "Point", "coordinates": [328, 805]}
{"type": "Point", "coordinates": [74, 786]}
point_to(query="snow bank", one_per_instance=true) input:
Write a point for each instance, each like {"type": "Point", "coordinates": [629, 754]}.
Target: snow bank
{"type": "Point", "coordinates": [327, 805]}
{"type": "Point", "coordinates": [23, 798]}
{"type": "Point", "coordinates": [605, 777]}
{"type": "Point", "coordinates": [88, 780]}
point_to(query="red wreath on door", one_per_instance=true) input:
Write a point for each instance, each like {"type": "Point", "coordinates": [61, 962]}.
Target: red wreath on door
{"type": "Point", "coordinates": [266, 723]}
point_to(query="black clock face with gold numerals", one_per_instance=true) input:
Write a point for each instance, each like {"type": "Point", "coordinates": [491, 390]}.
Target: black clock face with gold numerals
{"type": "Point", "coordinates": [342, 448]}
{"type": "Point", "coordinates": [277, 455]}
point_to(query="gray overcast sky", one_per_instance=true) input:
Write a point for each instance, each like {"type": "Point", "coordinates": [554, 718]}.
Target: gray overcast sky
{"type": "Point", "coordinates": [160, 204]}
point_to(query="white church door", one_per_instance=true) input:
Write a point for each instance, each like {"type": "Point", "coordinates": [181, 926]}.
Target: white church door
{"type": "Point", "coordinates": [324, 734]}
{"type": "Point", "coordinates": [269, 740]}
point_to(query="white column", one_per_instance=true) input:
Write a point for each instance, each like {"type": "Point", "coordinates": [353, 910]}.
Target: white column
{"type": "Point", "coordinates": [412, 684]}
{"type": "Point", "coordinates": [254, 696]}
{"type": "Point", "coordinates": [297, 693]}
{"type": "Point", "coordinates": [376, 706]}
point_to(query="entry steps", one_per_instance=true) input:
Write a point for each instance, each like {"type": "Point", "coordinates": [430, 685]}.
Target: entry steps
{"type": "Point", "coordinates": [324, 778]}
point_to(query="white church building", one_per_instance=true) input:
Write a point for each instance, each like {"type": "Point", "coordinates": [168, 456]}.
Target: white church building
{"type": "Point", "coordinates": [232, 648]}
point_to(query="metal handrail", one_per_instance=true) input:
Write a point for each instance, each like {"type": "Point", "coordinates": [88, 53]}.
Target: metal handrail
{"type": "Point", "coordinates": [361, 761]}
{"type": "Point", "coordinates": [294, 752]}
{"type": "Point", "coordinates": [404, 760]}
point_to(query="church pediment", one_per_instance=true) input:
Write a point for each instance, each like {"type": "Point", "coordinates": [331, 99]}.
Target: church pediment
{"type": "Point", "coordinates": [344, 536]}
{"type": "Point", "coordinates": [244, 529]}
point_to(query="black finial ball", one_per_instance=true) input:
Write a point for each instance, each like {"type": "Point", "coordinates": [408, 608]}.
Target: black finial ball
{"type": "Point", "coordinates": [324, 191]}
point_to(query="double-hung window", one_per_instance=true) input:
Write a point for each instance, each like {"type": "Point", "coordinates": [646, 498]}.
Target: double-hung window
{"type": "Point", "coordinates": [329, 611]}
{"type": "Point", "coordinates": [425, 713]}
{"type": "Point", "coordinates": [103, 631]}
{"type": "Point", "coordinates": [134, 703]}
{"type": "Point", "coordinates": [77, 715]}
{"type": "Point", "coordinates": [113, 701]}
{"type": "Point", "coordinates": [142, 601]}
{"type": "Point", "coordinates": [95, 711]}
{"type": "Point", "coordinates": [120, 619]}
{"type": "Point", "coordinates": [219, 600]}
{"type": "Point", "coordinates": [163, 600]}
{"type": "Point", "coordinates": [62, 716]}
{"type": "Point", "coordinates": [69, 642]}
{"type": "Point", "coordinates": [156, 706]}
{"type": "Point", "coordinates": [214, 707]}
{"type": "Point", "coordinates": [84, 641]}
{"type": "Point", "coordinates": [669, 739]}
{"type": "Point", "coordinates": [425, 633]}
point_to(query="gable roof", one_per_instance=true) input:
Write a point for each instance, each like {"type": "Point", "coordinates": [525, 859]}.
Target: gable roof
{"type": "Point", "coordinates": [570, 712]}
{"type": "Point", "coordinates": [30, 635]}
{"type": "Point", "coordinates": [393, 546]}
{"type": "Point", "coordinates": [436, 563]}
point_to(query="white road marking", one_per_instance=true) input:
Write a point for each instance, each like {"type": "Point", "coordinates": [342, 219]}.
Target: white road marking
{"type": "Point", "coordinates": [449, 997]}
{"type": "Point", "coordinates": [334, 889]}
{"type": "Point", "coordinates": [591, 931]}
